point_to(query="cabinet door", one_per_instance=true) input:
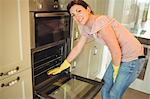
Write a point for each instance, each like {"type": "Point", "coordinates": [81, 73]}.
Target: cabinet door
{"type": "Point", "coordinates": [15, 46]}
{"type": "Point", "coordinates": [88, 63]}
{"type": "Point", "coordinates": [18, 86]}
{"type": "Point", "coordinates": [80, 64]}
{"type": "Point", "coordinates": [95, 59]}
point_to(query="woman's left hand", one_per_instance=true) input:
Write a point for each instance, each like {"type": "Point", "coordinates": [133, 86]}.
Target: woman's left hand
{"type": "Point", "coordinates": [116, 70]}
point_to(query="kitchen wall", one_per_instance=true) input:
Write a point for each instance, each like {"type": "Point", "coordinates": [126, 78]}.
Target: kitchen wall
{"type": "Point", "coordinates": [102, 6]}
{"type": "Point", "coordinates": [117, 9]}
{"type": "Point", "coordinates": [98, 6]}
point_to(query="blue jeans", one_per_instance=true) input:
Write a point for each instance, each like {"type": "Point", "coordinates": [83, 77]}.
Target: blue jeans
{"type": "Point", "coordinates": [128, 72]}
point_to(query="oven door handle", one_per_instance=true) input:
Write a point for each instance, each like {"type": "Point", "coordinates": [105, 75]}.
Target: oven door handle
{"type": "Point", "coordinates": [51, 14]}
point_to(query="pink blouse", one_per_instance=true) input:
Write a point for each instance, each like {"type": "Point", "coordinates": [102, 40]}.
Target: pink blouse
{"type": "Point", "coordinates": [131, 48]}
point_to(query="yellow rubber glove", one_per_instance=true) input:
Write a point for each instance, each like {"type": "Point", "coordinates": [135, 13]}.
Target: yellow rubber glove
{"type": "Point", "coordinates": [116, 70]}
{"type": "Point", "coordinates": [57, 70]}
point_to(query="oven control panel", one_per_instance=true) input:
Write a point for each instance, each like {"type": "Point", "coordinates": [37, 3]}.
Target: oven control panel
{"type": "Point", "coordinates": [48, 5]}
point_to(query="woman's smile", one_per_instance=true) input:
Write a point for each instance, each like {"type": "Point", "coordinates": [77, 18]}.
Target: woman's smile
{"type": "Point", "coordinates": [80, 14]}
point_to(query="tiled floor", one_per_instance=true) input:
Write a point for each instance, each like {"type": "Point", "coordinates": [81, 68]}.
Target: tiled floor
{"type": "Point", "coordinates": [131, 94]}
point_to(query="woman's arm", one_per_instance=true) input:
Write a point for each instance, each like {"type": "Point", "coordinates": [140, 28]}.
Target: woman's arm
{"type": "Point", "coordinates": [109, 36]}
{"type": "Point", "coordinates": [77, 49]}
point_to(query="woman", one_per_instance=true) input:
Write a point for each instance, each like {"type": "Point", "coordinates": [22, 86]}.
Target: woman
{"type": "Point", "coordinates": [125, 49]}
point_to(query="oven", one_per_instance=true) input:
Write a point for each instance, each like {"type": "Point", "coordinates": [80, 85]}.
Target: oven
{"type": "Point", "coordinates": [64, 85]}
{"type": "Point", "coordinates": [50, 44]}
{"type": "Point", "coordinates": [49, 27]}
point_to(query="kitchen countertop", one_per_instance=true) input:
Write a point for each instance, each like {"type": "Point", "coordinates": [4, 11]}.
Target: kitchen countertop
{"type": "Point", "coordinates": [144, 40]}
{"type": "Point", "coordinates": [143, 34]}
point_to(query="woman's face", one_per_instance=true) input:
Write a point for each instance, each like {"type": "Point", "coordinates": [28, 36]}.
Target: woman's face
{"type": "Point", "coordinates": [80, 14]}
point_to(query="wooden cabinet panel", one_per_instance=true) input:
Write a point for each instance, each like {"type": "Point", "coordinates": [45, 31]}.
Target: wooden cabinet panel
{"type": "Point", "coordinates": [15, 34]}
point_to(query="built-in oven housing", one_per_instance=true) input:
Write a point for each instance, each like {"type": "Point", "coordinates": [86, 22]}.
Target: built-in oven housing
{"type": "Point", "coordinates": [49, 21]}
{"type": "Point", "coordinates": [50, 26]}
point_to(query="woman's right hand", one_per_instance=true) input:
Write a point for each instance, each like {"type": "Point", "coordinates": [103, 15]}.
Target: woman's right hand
{"type": "Point", "coordinates": [57, 70]}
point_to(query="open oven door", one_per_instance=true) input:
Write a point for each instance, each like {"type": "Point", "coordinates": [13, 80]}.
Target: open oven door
{"type": "Point", "coordinates": [69, 86]}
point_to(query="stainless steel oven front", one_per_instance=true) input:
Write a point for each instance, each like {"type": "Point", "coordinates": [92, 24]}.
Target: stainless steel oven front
{"type": "Point", "coordinates": [49, 27]}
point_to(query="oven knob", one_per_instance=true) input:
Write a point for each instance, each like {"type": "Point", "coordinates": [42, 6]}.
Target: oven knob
{"type": "Point", "coordinates": [56, 4]}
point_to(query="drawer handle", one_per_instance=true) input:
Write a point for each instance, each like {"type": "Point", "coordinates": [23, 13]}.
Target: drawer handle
{"type": "Point", "coordinates": [76, 36]}
{"type": "Point", "coordinates": [11, 82]}
{"type": "Point", "coordinates": [11, 72]}
{"type": "Point", "coordinates": [95, 50]}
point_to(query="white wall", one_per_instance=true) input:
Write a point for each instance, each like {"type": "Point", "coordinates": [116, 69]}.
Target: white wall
{"type": "Point", "coordinates": [115, 9]}
{"type": "Point", "coordinates": [92, 4]}
{"type": "Point", "coordinates": [102, 7]}
{"type": "Point", "coordinates": [98, 6]}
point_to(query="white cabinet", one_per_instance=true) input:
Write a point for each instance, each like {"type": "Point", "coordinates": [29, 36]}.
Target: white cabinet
{"type": "Point", "coordinates": [15, 36]}
{"type": "Point", "coordinates": [81, 63]}
{"type": "Point", "coordinates": [88, 63]}
{"type": "Point", "coordinates": [17, 86]}
{"type": "Point", "coordinates": [15, 61]}
{"type": "Point", "coordinates": [94, 59]}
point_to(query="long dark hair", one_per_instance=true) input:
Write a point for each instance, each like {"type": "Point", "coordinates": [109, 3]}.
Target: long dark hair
{"type": "Point", "coordinates": [77, 2]}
